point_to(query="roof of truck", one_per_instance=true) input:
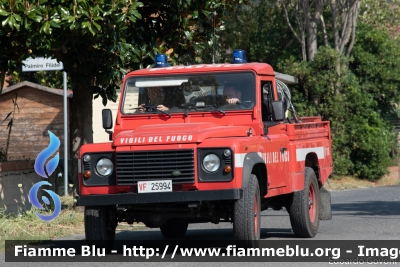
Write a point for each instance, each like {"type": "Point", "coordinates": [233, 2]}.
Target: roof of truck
{"type": "Point", "coordinates": [259, 68]}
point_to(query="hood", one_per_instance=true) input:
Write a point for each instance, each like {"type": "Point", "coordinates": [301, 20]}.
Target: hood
{"type": "Point", "coordinates": [177, 133]}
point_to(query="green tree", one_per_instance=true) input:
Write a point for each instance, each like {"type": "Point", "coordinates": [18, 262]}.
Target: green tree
{"type": "Point", "coordinates": [52, 79]}
{"type": "Point", "coordinates": [351, 80]}
{"type": "Point", "coordinates": [375, 61]}
{"type": "Point", "coordinates": [362, 140]}
{"type": "Point", "coordinates": [304, 16]}
{"type": "Point", "coordinates": [259, 28]}
{"type": "Point", "coordinates": [98, 41]}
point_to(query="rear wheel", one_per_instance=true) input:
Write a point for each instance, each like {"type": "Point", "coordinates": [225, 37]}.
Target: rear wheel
{"type": "Point", "coordinates": [100, 225]}
{"type": "Point", "coordinates": [174, 229]}
{"type": "Point", "coordinates": [304, 207]}
{"type": "Point", "coordinates": [247, 217]}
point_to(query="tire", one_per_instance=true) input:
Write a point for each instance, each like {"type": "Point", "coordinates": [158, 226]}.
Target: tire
{"type": "Point", "coordinates": [100, 226]}
{"type": "Point", "coordinates": [174, 229]}
{"type": "Point", "coordinates": [247, 214]}
{"type": "Point", "coordinates": [305, 206]}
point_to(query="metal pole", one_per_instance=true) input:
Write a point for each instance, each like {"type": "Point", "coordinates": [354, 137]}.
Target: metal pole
{"type": "Point", "coordinates": [65, 137]}
{"type": "Point", "coordinates": [214, 14]}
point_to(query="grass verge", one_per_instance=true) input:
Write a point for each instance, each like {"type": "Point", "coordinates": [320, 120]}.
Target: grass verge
{"type": "Point", "coordinates": [350, 182]}
{"type": "Point", "coordinates": [27, 226]}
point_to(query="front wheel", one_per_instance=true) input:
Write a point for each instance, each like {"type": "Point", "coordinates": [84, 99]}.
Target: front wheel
{"type": "Point", "coordinates": [100, 225]}
{"type": "Point", "coordinates": [247, 214]}
{"type": "Point", "coordinates": [304, 207]}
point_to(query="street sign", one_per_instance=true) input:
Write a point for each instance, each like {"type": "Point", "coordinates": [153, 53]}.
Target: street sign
{"type": "Point", "coordinates": [47, 64]}
{"type": "Point", "coordinates": [40, 63]}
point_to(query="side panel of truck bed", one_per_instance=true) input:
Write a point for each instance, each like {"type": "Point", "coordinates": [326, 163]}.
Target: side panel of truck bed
{"type": "Point", "coordinates": [310, 142]}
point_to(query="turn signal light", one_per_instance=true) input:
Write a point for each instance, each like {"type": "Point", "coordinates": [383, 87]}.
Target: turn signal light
{"type": "Point", "coordinates": [227, 168]}
{"type": "Point", "coordinates": [87, 174]}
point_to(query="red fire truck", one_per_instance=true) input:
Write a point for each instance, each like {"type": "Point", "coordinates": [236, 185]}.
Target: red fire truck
{"type": "Point", "coordinates": [205, 143]}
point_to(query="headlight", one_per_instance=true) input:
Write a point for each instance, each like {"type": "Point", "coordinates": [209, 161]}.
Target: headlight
{"type": "Point", "coordinates": [211, 162]}
{"type": "Point", "coordinates": [104, 167]}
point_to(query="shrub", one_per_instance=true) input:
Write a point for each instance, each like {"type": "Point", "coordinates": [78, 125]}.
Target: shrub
{"type": "Point", "coordinates": [362, 139]}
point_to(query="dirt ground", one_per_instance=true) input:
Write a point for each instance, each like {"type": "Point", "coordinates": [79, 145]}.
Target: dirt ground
{"type": "Point", "coordinates": [394, 174]}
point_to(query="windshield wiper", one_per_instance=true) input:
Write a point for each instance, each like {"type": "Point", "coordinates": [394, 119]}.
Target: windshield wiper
{"type": "Point", "coordinates": [215, 109]}
{"type": "Point", "coordinates": [201, 108]}
{"type": "Point", "coordinates": [164, 112]}
{"type": "Point", "coordinates": [187, 108]}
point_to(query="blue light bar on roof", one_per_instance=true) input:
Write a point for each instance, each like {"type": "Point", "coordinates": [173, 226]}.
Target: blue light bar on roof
{"type": "Point", "coordinates": [239, 56]}
{"type": "Point", "coordinates": [161, 61]}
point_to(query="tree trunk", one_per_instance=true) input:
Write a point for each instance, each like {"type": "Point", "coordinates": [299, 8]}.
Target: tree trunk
{"type": "Point", "coordinates": [300, 24]}
{"type": "Point", "coordinates": [344, 18]}
{"type": "Point", "coordinates": [81, 131]}
{"type": "Point", "coordinates": [313, 16]}
{"type": "Point", "coordinates": [303, 47]}
{"type": "Point", "coordinates": [2, 79]}
{"type": "Point", "coordinates": [324, 31]}
{"type": "Point", "coordinates": [355, 11]}
{"type": "Point", "coordinates": [312, 39]}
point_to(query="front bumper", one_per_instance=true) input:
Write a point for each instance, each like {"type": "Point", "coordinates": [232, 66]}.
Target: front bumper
{"type": "Point", "coordinates": [165, 197]}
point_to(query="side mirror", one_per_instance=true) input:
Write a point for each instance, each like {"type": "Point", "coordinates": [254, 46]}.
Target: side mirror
{"type": "Point", "coordinates": [107, 119]}
{"type": "Point", "coordinates": [107, 122]}
{"type": "Point", "coordinates": [278, 111]}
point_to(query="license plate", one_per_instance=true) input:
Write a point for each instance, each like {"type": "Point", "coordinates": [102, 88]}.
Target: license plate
{"type": "Point", "coordinates": [155, 186]}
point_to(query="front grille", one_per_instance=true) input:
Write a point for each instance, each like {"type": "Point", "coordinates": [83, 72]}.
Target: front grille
{"type": "Point", "coordinates": [155, 165]}
{"type": "Point", "coordinates": [86, 165]}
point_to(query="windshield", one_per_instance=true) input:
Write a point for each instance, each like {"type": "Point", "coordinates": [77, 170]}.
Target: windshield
{"type": "Point", "coordinates": [189, 93]}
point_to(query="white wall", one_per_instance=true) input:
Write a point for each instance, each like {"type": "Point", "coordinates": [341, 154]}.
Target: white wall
{"type": "Point", "coordinates": [99, 134]}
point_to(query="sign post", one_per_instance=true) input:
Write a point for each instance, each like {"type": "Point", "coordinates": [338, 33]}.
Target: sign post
{"type": "Point", "coordinates": [65, 136]}
{"type": "Point", "coordinates": [49, 64]}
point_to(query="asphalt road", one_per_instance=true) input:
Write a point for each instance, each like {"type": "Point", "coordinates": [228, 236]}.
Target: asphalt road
{"type": "Point", "coordinates": [361, 214]}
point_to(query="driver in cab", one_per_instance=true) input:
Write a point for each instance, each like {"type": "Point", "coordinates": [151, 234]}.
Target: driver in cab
{"type": "Point", "coordinates": [155, 96]}
{"type": "Point", "coordinates": [161, 98]}
{"type": "Point", "coordinates": [232, 93]}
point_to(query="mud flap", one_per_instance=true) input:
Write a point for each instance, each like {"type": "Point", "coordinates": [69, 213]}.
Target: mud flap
{"type": "Point", "coordinates": [325, 212]}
